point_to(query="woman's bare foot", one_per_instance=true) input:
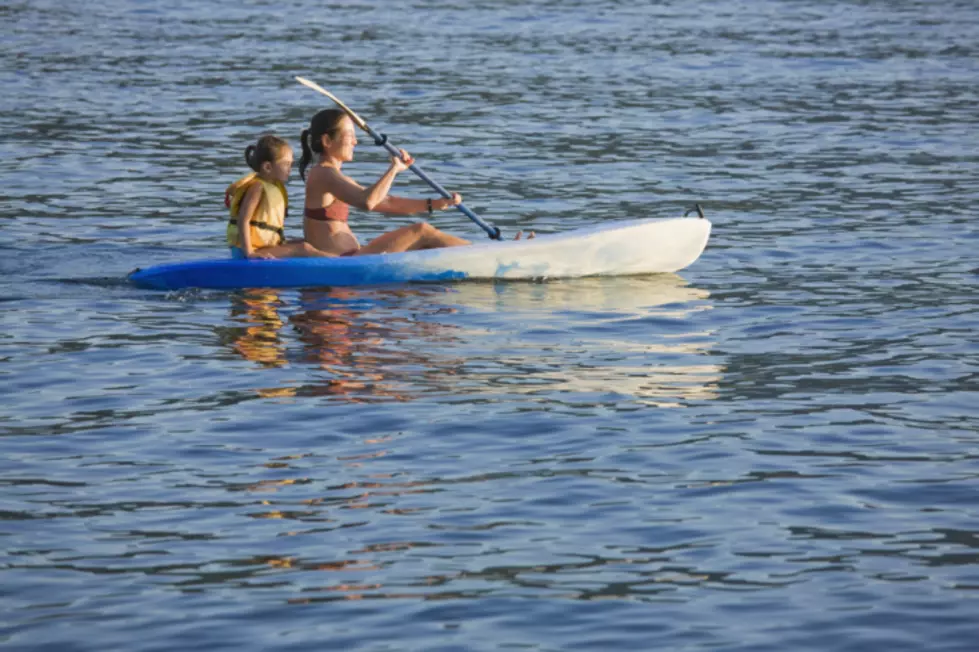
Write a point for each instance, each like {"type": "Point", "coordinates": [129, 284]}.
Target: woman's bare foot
{"type": "Point", "coordinates": [529, 237]}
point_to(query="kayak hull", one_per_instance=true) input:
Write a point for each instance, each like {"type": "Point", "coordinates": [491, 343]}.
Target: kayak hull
{"type": "Point", "coordinates": [623, 248]}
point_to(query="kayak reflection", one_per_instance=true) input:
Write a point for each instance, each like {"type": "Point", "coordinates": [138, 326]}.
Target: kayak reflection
{"type": "Point", "coordinates": [640, 339]}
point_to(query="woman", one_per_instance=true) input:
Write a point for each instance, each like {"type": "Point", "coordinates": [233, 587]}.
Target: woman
{"type": "Point", "coordinates": [330, 194]}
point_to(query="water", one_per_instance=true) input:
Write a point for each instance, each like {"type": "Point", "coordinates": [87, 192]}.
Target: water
{"type": "Point", "coordinates": [775, 449]}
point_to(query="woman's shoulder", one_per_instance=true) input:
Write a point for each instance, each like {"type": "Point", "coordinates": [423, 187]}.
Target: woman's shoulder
{"type": "Point", "coordinates": [323, 172]}
{"type": "Point", "coordinates": [322, 178]}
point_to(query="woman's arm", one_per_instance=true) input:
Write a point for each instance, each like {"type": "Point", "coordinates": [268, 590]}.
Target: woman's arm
{"type": "Point", "coordinates": [350, 192]}
{"type": "Point", "coordinates": [405, 206]}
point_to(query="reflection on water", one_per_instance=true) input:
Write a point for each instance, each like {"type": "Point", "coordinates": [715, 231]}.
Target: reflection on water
{"type": "Point", "coordinates": [365, 493]}
{"type": "Point", "coordinates": [368, 346]}
{"type": "Point", "coordinates": [635, 338]}
{"type": "Point", "coordinates": [257, 339]}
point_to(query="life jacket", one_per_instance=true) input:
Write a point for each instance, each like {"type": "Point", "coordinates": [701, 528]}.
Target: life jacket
{"type": "Point", "coordinates": [266, 225]}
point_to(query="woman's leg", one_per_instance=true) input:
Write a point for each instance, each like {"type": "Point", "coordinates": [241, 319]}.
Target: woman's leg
{"type": "Point", "coordinates": [410, 238]}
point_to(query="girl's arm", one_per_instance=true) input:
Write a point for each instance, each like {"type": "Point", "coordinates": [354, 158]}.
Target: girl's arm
{"type": "Point", "coordinates": [245, 213]}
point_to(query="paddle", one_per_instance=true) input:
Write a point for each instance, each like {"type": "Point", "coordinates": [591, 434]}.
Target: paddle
{"type": "Point", "coordinates": [382, 140]}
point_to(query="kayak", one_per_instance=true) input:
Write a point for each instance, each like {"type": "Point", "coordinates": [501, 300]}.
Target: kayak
{"type": "Point", "coordinates": [645, 246]}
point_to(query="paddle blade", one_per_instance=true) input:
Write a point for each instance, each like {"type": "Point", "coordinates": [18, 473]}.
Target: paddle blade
{"type": "Point", "coordinates": [346, 109]}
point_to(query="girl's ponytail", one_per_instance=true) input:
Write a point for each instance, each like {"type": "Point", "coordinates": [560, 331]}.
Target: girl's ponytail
{"type": "Point", "coordinates": [268, 149]}
{"type": "Point", "coordinates": [250, 157]}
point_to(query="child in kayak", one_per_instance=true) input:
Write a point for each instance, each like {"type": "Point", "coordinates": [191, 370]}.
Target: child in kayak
{"type": "Point", "coordinates": [330, 194]}
{"type": "Point", "coordinates": [257, 205]}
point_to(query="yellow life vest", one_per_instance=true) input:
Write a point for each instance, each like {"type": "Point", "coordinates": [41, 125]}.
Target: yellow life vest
{"type": "Point", "coordinates": [266, 225]}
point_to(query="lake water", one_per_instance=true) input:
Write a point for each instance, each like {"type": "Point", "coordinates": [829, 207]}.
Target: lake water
{"type": "Point", "coordinates": [775, 449]}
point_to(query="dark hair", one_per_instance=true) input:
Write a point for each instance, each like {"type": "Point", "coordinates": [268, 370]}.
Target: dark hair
{"type": "Point", "coordinates": [326, 122]}
{"type": "Point", "coordinates": [268, 148]}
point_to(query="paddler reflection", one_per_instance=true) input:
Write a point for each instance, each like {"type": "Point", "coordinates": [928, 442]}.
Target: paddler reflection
{"type": "Point", "coordinates": [257, 337]}
{"type": "Point", "coordinates": [365, 351]}
{"type": "Point", "coordinates": [370, 350]}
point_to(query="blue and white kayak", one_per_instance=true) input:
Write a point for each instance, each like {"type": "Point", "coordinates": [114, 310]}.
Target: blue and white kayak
{"type": "Point", "coordinates": [632, 247]}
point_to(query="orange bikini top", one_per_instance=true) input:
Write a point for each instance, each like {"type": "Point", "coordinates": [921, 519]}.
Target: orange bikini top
{"type": "Point", "coordinates": [335, 212]}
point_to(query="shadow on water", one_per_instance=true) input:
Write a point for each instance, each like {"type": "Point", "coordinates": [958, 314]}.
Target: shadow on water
{"type": "Point", "coordinates": [632, 337]}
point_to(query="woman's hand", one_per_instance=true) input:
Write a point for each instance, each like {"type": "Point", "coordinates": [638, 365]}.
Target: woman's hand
{"type": "Point", "coordinates": [400, 164]}
{"type": "Point", "coordinates": [445, 204]}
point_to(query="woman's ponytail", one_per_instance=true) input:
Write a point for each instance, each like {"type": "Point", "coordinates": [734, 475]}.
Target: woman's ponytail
{"type": "Point", "coordinates": [307, 155]}
{"type": "Point", "coordinates": [325, 123]}
{"type": "Point", "coordinates": [250, 157]}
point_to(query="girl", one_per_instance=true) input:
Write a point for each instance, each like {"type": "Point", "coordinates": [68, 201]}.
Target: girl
{"type": "Point", "coordinates": [330, 194]}
{"type": "Point", "coordinates": [257, 204]}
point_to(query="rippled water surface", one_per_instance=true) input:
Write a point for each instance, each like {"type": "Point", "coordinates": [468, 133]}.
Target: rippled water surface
{"type": "Point", "coordinates": [775, 449]}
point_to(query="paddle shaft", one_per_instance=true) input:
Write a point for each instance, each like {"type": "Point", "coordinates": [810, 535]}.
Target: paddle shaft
{"type": "Point", "coordinates": [382, 140]}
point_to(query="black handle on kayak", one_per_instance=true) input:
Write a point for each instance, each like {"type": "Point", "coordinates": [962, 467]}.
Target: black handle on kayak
{"type": "Point", "coordinates": [698, 209]}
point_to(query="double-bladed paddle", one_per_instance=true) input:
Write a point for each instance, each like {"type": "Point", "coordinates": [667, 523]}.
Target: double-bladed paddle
{"type": "Point", "coordinates": [382, 140]}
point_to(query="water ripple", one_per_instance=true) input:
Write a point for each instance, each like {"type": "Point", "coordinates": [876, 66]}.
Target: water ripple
{"type": "Point", "coordinates": [776, 450]}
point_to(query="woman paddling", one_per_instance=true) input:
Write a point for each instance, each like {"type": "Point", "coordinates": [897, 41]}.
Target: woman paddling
{"type": "Point", "coordinates": [330, 194]}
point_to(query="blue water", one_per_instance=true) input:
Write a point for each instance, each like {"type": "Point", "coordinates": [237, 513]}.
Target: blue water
{"type": "Point", "coordinates": [775, 449]}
